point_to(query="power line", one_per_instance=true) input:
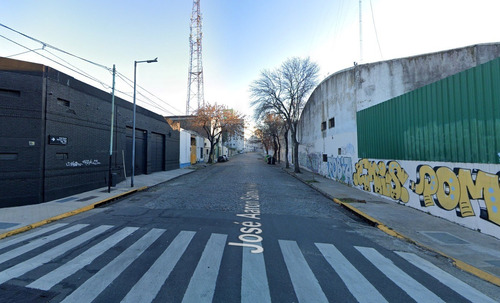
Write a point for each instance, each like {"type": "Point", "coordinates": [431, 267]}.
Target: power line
{"type": "Point", "coordinates": [81, 72]}
{"type": "Point", "coordinates": [53, 47]}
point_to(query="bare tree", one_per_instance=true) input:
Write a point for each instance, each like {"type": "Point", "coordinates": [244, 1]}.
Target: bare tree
{"type": "Point", "coordinates": [284, 91]}
{"type": "Point", "coordinates": [213, 120]}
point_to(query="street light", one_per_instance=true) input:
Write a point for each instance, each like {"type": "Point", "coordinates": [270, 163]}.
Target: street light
{"type": "Point", "coordinates": [133, 119]}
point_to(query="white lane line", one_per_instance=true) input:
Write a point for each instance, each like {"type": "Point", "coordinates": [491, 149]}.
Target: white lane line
{"type": "Point", "coordinates": [39, 242]}
{"type": "Point", "coordinates": [89, 290]}
{"type": "Point", "coordinates": [39, 231]}
{"type": "Point", "coordinates": [52, 278]}
{"type": "Point", "coordinates": [201, 288]}
{"type": "Point", "coordinates": [463, 289]}
{"type": "Point", "coordinates": [146, 289]}
{"type": "Point", "coordinates": [304, 282]}
{"type": "Point", "coordinates": [49, 255]}
{"type": "Point", "coordinates": [357, 284]}
{"type": "Point", "coordinates": [414, 289]}
{"type": "Point", "coordinates": [254, 285]}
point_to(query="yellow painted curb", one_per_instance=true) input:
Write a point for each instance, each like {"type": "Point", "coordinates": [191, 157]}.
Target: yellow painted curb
{"type": "Point", "coordinates": [459, 264]}
{"type": "Point", "coordinates": [67, 214]}
{"type": "Point", "coordinates": [476, 271]}
{"type": "Point", "coordinates": [374, 221]}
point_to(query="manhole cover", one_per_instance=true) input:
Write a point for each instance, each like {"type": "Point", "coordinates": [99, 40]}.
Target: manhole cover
{"type": "Point", "coordinates": [444, 237]}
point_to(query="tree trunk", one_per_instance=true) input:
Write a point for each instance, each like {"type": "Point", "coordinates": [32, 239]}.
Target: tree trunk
{"type": "Point", "coordinates": [275, 148]}
{"type": "Point", "coordinates": [287, 164]}
{"type": "Point", "coordinates": [295, 146]}
{"type": "Point", "coordinates": [279, 148]}
{"type": "Point", "coordinates": [211, 154]}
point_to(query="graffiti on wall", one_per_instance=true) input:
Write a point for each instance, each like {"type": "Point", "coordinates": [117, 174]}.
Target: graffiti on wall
{"type": "Point", "coordinates": [385, 179]}
{"type": "Point", "coordinates": [454, 189]}
{"type": "Point", "coordinates": [83, 163]}
{"type": "Point", "coordinates": [311, 160]}
{"type": "Point", "coordinates": [340, 169]}
{"type": "Point", "coordinates": [450, 190]}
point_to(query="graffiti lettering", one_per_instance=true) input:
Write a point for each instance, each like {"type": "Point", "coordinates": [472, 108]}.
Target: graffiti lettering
{"type": "Point", "coordinates": [387, 180]}
{"type": "Point", "coordinates": [451, 190]}
{"type": "Point", "coordinates": [340, 169]}
{"type": "Point", "coordinates": [84, 162]}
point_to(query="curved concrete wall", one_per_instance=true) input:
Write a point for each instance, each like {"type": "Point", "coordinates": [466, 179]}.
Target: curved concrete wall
{"type": "Point", "coordinates": [327, 129]}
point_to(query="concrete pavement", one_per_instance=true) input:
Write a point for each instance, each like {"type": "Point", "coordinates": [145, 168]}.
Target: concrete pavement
{"type": "Point", "coordinates": [470, 250]}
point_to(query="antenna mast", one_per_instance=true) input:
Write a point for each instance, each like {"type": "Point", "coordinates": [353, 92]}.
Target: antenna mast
{"type": "Point", "coordinates": [195, 74]}
{"type": "Point", "coordinates": [360, 35]}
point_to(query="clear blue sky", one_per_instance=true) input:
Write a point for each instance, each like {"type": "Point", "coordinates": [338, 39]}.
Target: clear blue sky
{"type": "Point", "coordinates": [240, 38]}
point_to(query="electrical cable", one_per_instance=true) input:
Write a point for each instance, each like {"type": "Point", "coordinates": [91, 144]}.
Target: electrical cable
{"type": "Point", "coordinates": [376, 34]}
{"type": "Point", "coordinates": [53, 47]}
{"type": "Point", "coordinates": [79, 71]}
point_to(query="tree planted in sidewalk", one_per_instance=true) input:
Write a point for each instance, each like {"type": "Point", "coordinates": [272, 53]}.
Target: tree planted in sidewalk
{"type": "Point", "coordinates": [284, 91]}
{"type": "Point", "coordinates": [272, 127]}
{"type": "Point", "coordinates": [213, 120]}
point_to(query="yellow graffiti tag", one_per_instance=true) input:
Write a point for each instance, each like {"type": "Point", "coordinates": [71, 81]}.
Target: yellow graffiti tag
{"type": "Point", "coordinates": [387, 180]}
{"type": "Point", "coordinates": [451, 190]}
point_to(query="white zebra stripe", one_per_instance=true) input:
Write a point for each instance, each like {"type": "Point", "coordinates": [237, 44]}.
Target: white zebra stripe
{"type": "Point", "coordinates": [52, 278]}
{"type": "Point", "coordinates": [39, 242]}
{"type": "Point", "coordinates": [89, 290]}
{"type": "Point", "coordinates": [414, 289]}
{"type": "Point", "coordinates": [304, 282]}
{"type": "Point", "coordinates": [254, 285]}
{"type": "Point", "coordinates": [23, 267]}
{"type": "Point", "coordinates": [357, 284]}
{"type": "Point", "coordinates": [11, 241]}
{"type": "Point", "coordinates": [201, 288]}
{"type": "Point", "coordinates": [457, 285]}
{"type": "Point", "coordinates": [151, 282]}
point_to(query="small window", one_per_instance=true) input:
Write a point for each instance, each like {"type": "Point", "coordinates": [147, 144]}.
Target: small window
{"type": "Point", "coordinates": [331, 123]}
{"type": "Point", "coordinates": [325, 158]}
{"type": "Point", "coordinates": [63, 102]}
{"type": "Point", "coordinates": [323, 125]}
{"type": "Point", "coordinates": [340, 151]}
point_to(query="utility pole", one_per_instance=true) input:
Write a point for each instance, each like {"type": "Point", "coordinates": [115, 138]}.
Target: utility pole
{"type": "Point", "coordinates": [195, 73]}
{"type": "Point", "coordinates": [112, 124]}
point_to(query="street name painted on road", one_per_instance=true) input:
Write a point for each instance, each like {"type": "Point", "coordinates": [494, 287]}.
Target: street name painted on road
{"type": "Point", "coordinates": [251, 230]}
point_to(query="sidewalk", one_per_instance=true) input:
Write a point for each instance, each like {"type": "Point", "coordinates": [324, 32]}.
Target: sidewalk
{"type": "Point", "coordinates": [14, 220]}
{"type": "Point", "coordinates": [469, 250]}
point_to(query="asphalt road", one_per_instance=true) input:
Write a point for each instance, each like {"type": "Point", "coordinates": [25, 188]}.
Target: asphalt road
{"type": "Point", "coordinates": [239, 231]}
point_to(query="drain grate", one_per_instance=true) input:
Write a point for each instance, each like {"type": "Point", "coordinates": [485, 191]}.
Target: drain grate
{"type": "Point", "coordinates": [86, 198]}
{"type": "Point", "coordinates": [444, 237]}
{"type": "Point", "coordinates": [67, 199]}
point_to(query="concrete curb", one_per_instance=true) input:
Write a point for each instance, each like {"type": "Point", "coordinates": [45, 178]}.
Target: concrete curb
{"type": "Point", "coordinates": [457, 263]}
{"type": "Point", "coordinates": [69, 214]}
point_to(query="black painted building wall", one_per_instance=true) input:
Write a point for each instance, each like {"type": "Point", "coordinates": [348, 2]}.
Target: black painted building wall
{"type": "Point", "coordinates": [55, 136]}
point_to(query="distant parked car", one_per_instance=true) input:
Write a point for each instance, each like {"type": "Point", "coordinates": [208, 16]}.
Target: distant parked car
{"type": "Point", "coordinates": [221, 159]}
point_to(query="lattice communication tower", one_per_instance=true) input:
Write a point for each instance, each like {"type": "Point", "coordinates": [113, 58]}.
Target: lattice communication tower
{"type": "Point", "coordinates": [195, 74]}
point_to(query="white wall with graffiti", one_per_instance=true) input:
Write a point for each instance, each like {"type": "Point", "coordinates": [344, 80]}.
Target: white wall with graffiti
{"type": "Point", "coordinates": [465, 193]}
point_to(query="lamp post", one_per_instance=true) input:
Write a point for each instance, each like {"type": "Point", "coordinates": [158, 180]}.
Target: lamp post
{"type": "Point", "coordinates": [133, 119]}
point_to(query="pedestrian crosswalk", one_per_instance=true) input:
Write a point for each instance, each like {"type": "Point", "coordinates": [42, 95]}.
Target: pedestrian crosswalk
{"type": "Point", "coordinates": [61, 254]}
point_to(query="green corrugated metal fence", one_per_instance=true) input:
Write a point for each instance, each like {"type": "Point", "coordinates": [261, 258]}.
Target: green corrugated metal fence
{"type": "Point", "coordinates": [456, 119]}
